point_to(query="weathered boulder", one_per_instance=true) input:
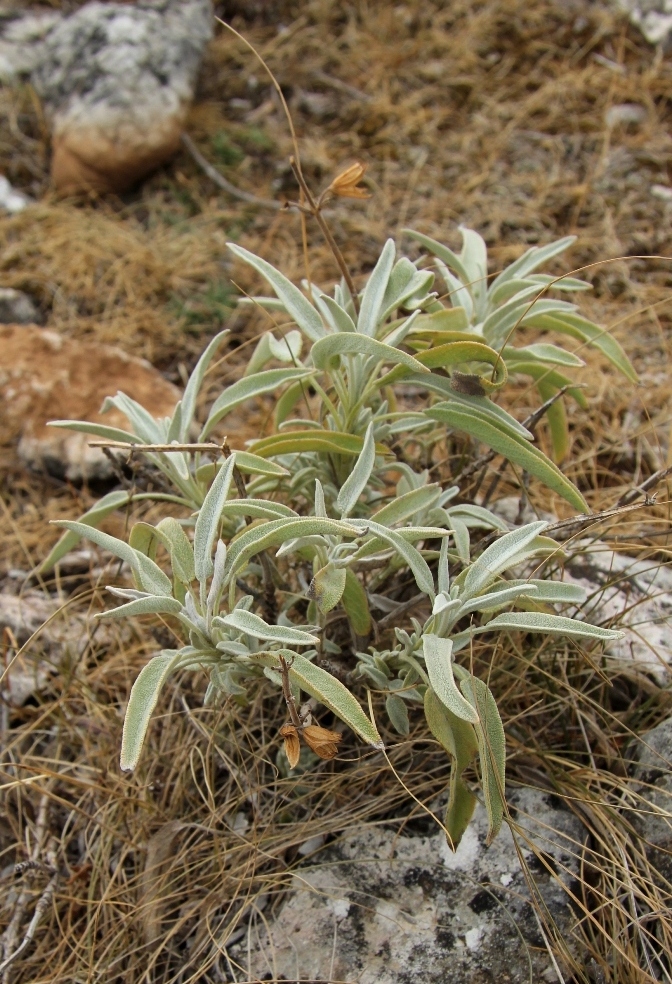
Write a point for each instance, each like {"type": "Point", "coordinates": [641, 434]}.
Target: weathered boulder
{"type": "Point", "coordinates": [383, 908]}
{"type": "Point", "coordinates": [116, 81]}
{"type": "Point", "coordinates": [44, 376]}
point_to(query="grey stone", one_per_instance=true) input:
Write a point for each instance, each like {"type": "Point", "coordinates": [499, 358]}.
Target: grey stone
{"type": "Point", "coordinates": [634, 595]}
{"type": "Point", "coordinates": [11, 200]}
{"type": "Point", "coordinates": [381, 908]}
{"type": "Point", "coordinates": [652, 17]}
{"type": "Point", "coordinates": [652, 815]}
{"type": "Point", "coordinates": [16, 308]}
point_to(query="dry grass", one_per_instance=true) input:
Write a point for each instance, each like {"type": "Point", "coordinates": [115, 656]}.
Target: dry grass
{"type": "Point", "coordinates": [491, 114]}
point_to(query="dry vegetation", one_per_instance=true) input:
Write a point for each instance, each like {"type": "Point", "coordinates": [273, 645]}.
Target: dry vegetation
{"type": "Point", "coordinates": [488, 113]}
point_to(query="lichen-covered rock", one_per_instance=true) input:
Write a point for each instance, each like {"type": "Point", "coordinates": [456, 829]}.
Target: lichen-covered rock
{"type": "Point", "coordinates": [44, 376]}
{"type": "Point", "coordinates": [116, 81]}
{"type": "Point", "coordinates": [381, 908]}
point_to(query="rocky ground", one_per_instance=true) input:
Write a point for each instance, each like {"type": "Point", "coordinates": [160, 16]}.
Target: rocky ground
{"type": "Point", "coordinates": [526, 121]}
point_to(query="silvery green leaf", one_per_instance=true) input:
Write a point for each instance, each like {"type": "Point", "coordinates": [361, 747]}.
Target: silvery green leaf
{"type": "Point", "coordinates": [518, 451]}
{"type": "Point", "coordinates": [92, 517]}
{"type": "Point", "coordinates": [296, 305]}
{"type": "Point", "coordinates": [438, 655]}
{"type": "Point", "coordinates": [142, 702]}
{"type": "Point", "coordinates": [403, 282]}
{"type": "Point", "coordinates": [149, 575]}
{"type": "Point", "coordinates": [459, 293]}
{"type": "Point", "coordinates": [253, 625]}
{"type": "Point", "coordinates": [207, 523]}
{"type": "Point", "coordinates": [556, 624]}
{"type": "Point", "coordinates": [503, 318]}
{"type": "Point", "coordinates": [345, 343]}
{"type": "Point", "coordinates": [554, 591]}
{"type": "Point", "coordinates": [444, 571]}
{"type": "Point", "coordinates": [416, 562]}
{"type": "Point", "coordinates": [232, 648]}
{"type": "Point", "coordinates": [175, 426]}
{"type": "Point", "coordinates": [474, 256]}
{"type": "Point", "coordinates": [477, 516]}
{"type": "Point", "coordinates": [496, 558]}
{"type": "Point", "coordinates": [398, 334]}
{"type": "Point", "coordinates": [560, 283]}
{"type": "Point", "coordinates": [288, 348]}
{"type": "Point", "coordinates": [374, 292]}
{"type": "Point", "coordinates": [98, 430]}
{"type": "Point", "coordinates": [479, 406]}
{"type": "Point", "coordinates": [397, 711]}
{"type": "Point", "coordinates": [498, 599]}
{"type": "Point", "coordinates": [443, 252]}
{"type": "Point", "coordinates": [217, 582]}
{"type": "Point", "coordinates": [146, 427]}
{"type": "Point", "coordinates": [144, 606]}
{"type": "Point", "coordinates": [277, 531]}
{"type": "Point", "coordinates": [341, 320]}
{"type": "Point", "coordinates": [459, 740]}
{"type": "Point", "coordinates": [181, 552]}
{"type": "Point", "coordinates": [569, 323]}
{"type": "Point", "coordinates": [194, 384]}
{"type": "Point", "coordinates": [246, 388]}
{"type": "Point", "coordinates": [320, 506]}
{"type": "Point", "coordinates": [249, 464]}
{"type": "Point", "coordinates": [299, 543]}
{"type": "Point", "coordinates": [407, 505]}
{"type": "Point", "coordinates": [491, 749]}
{"type": "Point", "coordinates": [327, 586]}
{"type": "Point", "coordinates": [358, 478]}
{"type": "Point", "coordinates": [547, 352]}
{"type": "Point", "coordinates": [460, 536]}
{"type": "Point", "coordinates": [333, 694]}
{"type": "Point", "coordinates": [257, 508]}
{"type": "Point", "coordinates": [356, 605]}
{"type": "Point", "coordinates": [531, 259]}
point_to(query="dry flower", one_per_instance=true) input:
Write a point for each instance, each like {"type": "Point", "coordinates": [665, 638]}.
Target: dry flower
{"type": "Point", "coordinates": [345, 184]}
{"type": "Point", "coordinates": [322, 741]}
{"type": "Point", "coordinates": [292, 744]}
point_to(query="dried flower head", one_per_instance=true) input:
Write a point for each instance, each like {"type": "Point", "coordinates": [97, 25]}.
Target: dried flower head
{"type": "Point", "coordinates": [345, 184]}
{"type": "Point", "coordinates": [292, 744]}
{"type": "Point", "coordinates": [322, 741]}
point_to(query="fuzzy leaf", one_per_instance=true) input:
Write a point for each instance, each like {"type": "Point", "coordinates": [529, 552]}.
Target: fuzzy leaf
{"type": "Point", "coordinates": [296, 305]}
{"type": "Point", "coordinates": [151, 605]}
{"type": "Point", "coordinates": [98, 430]}
{"type": "Point", "coordinates": [404, 506]}
{"type": "Point", "coordinates": [92, 517]}
{"type": "Point", "coordinates": [439, 661]}
{"type": "Point", "coordinates": [374, 292]}
{"type": "Point", "coordinates": [255, 626]}
{"type": "Point", "coordinates": [459, 740]}
{"type": "Point", "coordinates": [193, 387]}
{"type": "Point", "coordinates": [326, 587]}
{"type": "Point", "coordinates": [181, 551]}
{"type": "Point", "coordinates": [247, 388]}
{"type": "Point", "coordinates": [519, 452]}
{"type": "Point", "coordinates": [209, 516]}
{"type": "Point", "coordinates": [298, 442]}
{"type": "Point", "coordinates": [397, 711]}
{"type": "Point", "coordinates": [149, 575]}
{"type": "Point", "coordinates": [278, 531]}
{"type": "Point", "coordinates": [358, 478]}
{"type": "Point", "coordinates": [497, 557]}
{"type": "Point", "coordinates": [142, 702]}
{"type": "Point", "coordinates": [556, 624]}
{"type": "Point", "coordinates": [491, 748]}
{"type": "Point", "coordinates": [356, 605]}
{"type": "Point", "coordinates": [329, 691]}
{"type": "Point", "coordinates": [257, 508]}
{"type": "Point", "coordinates": [345, 343]}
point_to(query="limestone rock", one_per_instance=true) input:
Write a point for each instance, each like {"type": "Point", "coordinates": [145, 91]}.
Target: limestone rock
{"type": "Point", "coordinates": [636, 595]}
{"type": "Point", "coordinates": [652, 17]}
{"type": "Point", "coordinates": [116, 81]}
{"type": "Point", "coordinates": [44, 376]}
{"type": "Point", "coordinates": [378, 908]}
{"type": "Point", "coordinates": [16, 307]}
{"type": "Point", "coordinates": [22, 37]}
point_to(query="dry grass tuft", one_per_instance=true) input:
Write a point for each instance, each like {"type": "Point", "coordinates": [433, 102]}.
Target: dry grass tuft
{"type": "Point", "coordinates": [491, 114]}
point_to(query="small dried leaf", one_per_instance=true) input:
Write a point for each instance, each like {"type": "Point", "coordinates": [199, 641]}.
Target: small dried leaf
{"type": "Point", "coordinates": [345, 184]}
